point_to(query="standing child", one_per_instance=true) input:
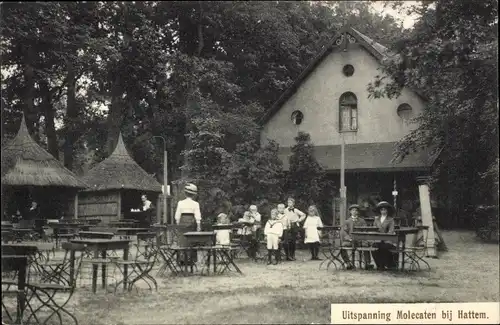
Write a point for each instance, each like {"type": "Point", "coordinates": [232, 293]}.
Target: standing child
{"type": "Point", "coordinates": [312, 234]}
{"type": "Point", "coordinates": [257, 228]}
{"type": "Point", "coordinates": [247, 233]}
{"type": "Point", "coordinates": [295, 218]}
{"type": "Point", "coordinates": [283, 218]}
{"type": "Point", "coordinates": [257, 217]}
{"type": "Point", "coordinates": [223, 236]}
{"type": "Point", "coordinates": [273, 232]}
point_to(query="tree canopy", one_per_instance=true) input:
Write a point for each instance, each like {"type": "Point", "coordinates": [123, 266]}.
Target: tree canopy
{"type": "Point", "coordinates": [450, 56]}
{"type": "Point", "coordinates": [200, 73]}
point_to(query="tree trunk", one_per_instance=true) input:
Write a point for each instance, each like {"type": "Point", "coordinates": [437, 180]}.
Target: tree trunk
{"type": "Point", "coordinates": [29, 93]}
{"type": "Point", "coordinates": [114, 120]}
{"type": "Point", "coordinates": [192, 91]}
{"type": "Point", "coordinates": [71, 116]}
{"type": "Point", "coordinates": [48, 111]}
{"type": "Point", "coordinates": [115, 114]}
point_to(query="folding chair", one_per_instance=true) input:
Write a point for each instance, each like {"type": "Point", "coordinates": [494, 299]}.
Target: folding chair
{"type": "Point", "coordinates": [224, 258]}
{"type": "Point", "coordinates": [61, 280]}
{"type": "Point", "coordinates": [14, 269]}
{"type": "Point", "coordinates": [331, 250]}
{"type": "Point", "coordinates": [415, 252]}
{"type": "Point", "coordinates": [169, 252]}
{"type": "Point", "coordinates": [140, 268]}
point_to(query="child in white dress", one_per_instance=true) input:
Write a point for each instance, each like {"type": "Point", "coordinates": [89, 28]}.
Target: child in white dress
{"type": "Point", "coordinates": [223, 236]}
{"type": "Point", "coordinates": [273, 232]}
{"type": "Point", "coordinates": [312, 234]}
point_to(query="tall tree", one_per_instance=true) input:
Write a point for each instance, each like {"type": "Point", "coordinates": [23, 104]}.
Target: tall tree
{"type": "Point", "coordinates": [450, 57]}
{"type": "Point", "coordinates": [306, 180]}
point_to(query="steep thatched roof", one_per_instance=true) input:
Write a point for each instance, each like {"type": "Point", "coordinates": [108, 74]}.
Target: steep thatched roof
{"type": "Point", "coordinates": [120, 171]}
{"type": "Point", "coordinates": [25, 163]}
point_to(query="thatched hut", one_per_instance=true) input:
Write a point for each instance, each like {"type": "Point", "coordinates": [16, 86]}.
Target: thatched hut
{"type": "Point", "coordinates": [115, 187]}
{"type": "Point", "coordinates": [29, 172]}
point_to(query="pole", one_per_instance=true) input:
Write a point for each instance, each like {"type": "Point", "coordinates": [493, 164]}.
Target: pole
{"type": "Point", "coordinates": [165, 177]}
{"type": "Point", "coordinates": [395, 194]}
{"type": "Point", "coordinates": [342, 182]}
{"type": "Point", "coordinates": [165, 183]}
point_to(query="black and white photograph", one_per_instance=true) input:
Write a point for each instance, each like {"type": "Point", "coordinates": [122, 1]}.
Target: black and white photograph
{"type": "Point", "coordinates": [249, 162]}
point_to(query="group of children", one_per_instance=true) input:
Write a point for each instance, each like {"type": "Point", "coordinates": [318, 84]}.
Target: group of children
{"type": "Point", "coordinates": [249, 231]}
{"type": "Point", "coordinates": [281, 230]}
{"type": "Point", "coordinates": [284, 226]}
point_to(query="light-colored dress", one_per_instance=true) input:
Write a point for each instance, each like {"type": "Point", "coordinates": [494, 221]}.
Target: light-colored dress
{"type": "Point", "coordinates": [223, 237]}
{"type": "Point", "coordinates": [311, 229]}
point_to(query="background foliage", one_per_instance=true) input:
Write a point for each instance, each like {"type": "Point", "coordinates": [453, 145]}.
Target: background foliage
{"type": "Point", "coordinates": [199, 73]}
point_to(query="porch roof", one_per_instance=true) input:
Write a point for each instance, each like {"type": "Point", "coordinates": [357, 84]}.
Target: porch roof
{"type": "Point", "coordinates": [367, 157]}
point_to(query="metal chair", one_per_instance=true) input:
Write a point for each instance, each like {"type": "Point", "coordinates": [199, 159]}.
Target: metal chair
{"type": "Point", "coordinates": [58, 281]}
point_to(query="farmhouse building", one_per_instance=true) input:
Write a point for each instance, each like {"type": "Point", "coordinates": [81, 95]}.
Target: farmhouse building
{"type": "Point", "coordinates": [330, 101]}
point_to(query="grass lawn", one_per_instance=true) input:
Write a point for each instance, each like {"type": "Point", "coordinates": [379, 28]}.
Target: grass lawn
{"type": "Point", "coordinates": [297, 292]}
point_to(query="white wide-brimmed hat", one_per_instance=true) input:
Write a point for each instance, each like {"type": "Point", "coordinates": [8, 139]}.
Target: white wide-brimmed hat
{"type": "Point", "coordinates": [385, 204]}
{"type": "Point", "coordinates": [191, 189]}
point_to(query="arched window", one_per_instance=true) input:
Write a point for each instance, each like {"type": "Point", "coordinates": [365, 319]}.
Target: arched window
{"type": "Point", "coordinates": [297, 117]}
{"type": "Point", "coordinates": [348, 112]}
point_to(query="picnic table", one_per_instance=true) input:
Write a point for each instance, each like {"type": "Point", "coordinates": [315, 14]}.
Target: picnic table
{"type": "Point", "coordinates": [123, 224]}
{"type": "Point", "coordinates": [218, 258]}
{"type": "Point", "coordinates": [102, 246]}
{"type": "Point", "coordinates": [95, 234]}
{"type": "Point", "coordinates": [130, 231]}
{"type": "Point", "coordinates": [398, 237]}
{"type": "Point", "coordinates": [71, 227]}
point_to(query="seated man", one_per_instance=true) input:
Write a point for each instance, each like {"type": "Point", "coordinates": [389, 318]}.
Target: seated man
{"type": "Point", "coordinates": [350, 224]}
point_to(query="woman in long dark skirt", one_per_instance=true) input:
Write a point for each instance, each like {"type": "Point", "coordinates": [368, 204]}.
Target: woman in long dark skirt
{"type": "Point", "coordinates": [188, 216]}
{"type": "Point", "coordinates": [384, 221]}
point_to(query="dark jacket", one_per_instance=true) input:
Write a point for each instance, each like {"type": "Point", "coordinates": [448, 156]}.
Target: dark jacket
{"type": "Point", "coordinates": [349, 226]}
{"type": "Point", "coordinates": [32, 214]}
{"type": "Point", "coordinates": [387, 226]}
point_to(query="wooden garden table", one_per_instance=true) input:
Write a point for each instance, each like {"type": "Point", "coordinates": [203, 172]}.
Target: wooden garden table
{"type": "Point", "coordinates": [398, 237]}
{"type": "Point", "coordinates": [102, 246]}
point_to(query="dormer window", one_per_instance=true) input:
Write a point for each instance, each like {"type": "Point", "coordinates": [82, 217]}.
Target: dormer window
{"type": "Point", "coordinates": [297, 117]}
{"type": "Point", "coordinates": [348, 112]}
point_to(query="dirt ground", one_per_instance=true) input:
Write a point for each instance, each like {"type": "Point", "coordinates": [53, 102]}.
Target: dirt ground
{"type": "Point", "coordinates": [296, 292]}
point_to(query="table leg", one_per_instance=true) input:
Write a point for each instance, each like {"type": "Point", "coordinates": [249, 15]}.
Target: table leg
{"type": "Point", "coordinates": [353, 255]}
{"type": "Point", "coordinates": [103, 270]}
{"type": "Point", "coordinates": [215, 260]}
{"type": "Point", "coordinates": [21, 296]}
{"type": "Point", "coordinates": [192, 254]}
{"type": "Point", "coordinates": [209, 254]}
{"type": "Point", "coordinates": [402, 257]}
{"type": "Point", "coordinates": [56, 234]}
{"type": "Point", "coordinates": [125, 268]}
{"type": "Point", "coordinates": [94, 272]}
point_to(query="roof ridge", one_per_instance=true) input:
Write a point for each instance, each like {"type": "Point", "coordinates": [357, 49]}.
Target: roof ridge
{"type": "Point", "coordinates": [120, 168]}
{"type": "Point", "coordinates": [23, 148]}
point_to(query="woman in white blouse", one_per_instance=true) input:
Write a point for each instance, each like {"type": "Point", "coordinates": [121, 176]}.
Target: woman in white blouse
{"type": "Point", "coordinates": [312, 234]}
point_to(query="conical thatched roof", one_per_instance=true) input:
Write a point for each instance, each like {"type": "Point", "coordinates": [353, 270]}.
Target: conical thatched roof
{"type": "Point", "coordinates": [120, 171]}
{"type": "Point", "coordinates": [25, 163]}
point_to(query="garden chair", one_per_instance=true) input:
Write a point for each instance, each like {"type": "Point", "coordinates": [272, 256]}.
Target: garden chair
{"type": "Point", "coordinates": [170, 250]}
{"type": "Point", "coordinates": [140, 265]}
{"type": "Point", "coordinates": [59, 281]}
{"type": "Point", "coordinates": [14, 275]}
{"type": "Point", "coordinates": [415, 251]}
{"type": "Point", "coordinates": [330, 250]}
